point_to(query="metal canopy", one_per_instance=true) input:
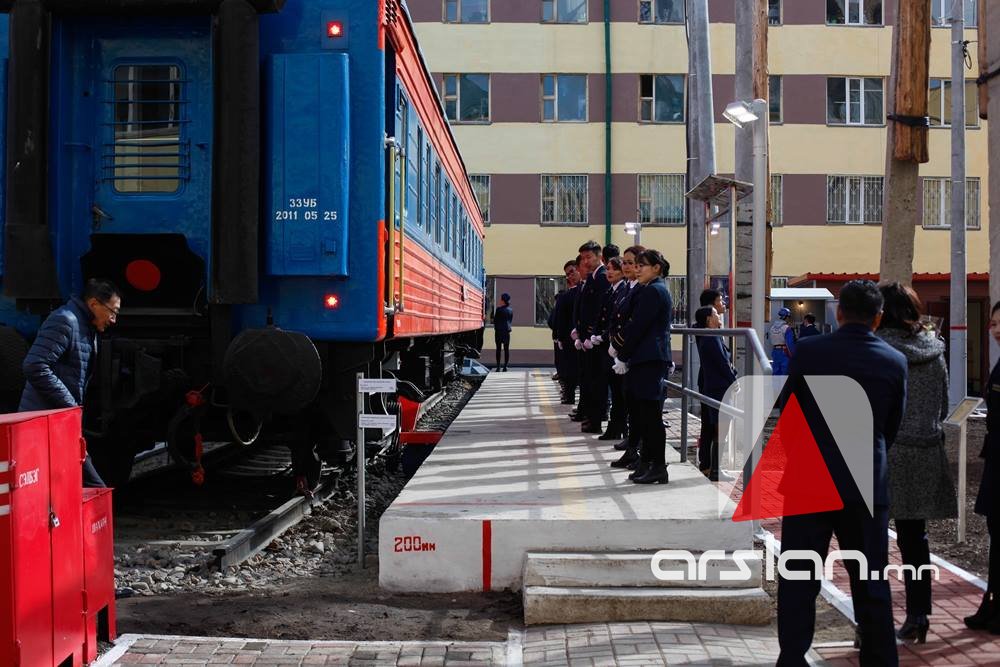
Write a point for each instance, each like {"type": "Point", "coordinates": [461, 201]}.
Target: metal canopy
{"type": "Point", "coordinates": [715, 190]}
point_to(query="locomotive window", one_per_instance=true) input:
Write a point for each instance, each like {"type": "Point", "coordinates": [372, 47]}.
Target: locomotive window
{"type": "Point", "coordinates": [148, 154]}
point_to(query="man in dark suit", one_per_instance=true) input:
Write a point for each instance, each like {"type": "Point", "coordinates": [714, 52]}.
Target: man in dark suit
{"type": "Point", "coordinates": [588, 313]}
{"type": "Point", "coordinates": [855, 352]}
{"type": "Point", "coordinates": [562, 324]}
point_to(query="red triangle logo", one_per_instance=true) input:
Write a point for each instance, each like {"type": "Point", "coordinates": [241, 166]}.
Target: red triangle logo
{"type": "Point", "coordinates": [791, 477]}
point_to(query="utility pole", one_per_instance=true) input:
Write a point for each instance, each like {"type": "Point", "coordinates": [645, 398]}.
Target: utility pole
{"type": "Point", "coordinates": [906, 147]}
{"type": "Point", "coordinates": [957, 329]}
{"type": "Point", "coordinates": [989, 81]}
{"type": "Point", "coordinates": [701, 143]}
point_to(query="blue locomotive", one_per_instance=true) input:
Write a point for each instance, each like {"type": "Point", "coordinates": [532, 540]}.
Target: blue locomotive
{"type": "Point", "coordinates": [274, 187]}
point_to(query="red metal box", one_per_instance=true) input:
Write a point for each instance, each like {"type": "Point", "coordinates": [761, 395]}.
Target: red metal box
{"type": "Point", "coordinates": [98, 569]}
{"type": "Point", "coordinates": [41, 573]}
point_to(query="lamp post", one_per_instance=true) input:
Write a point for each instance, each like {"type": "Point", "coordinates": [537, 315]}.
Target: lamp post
{"type": "Point", "coordinates": [634, 229]}
{"type": "Point", "coordinates": [755, 113]}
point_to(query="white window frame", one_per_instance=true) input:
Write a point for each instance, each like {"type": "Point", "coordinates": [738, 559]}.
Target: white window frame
{"type": "Point", "coordinates": [653, 13]}
{"type": "Point", "coordinates": [554, 98]}
{"type": "Point", "coordinates": [667, 180]}
{"type": "Point", "coordinates": [652, 101]}
{"type": "Point", "coordinates": [864, 199]}
{"type": "Point", "coordinates": [847, 97]}
{"type": "Point", "coordinates": [941, 220]}
{"type": "Point", "coordinates": [860, 5]}
{"type": "Point", "coordinates": [556, 282]}
{"type": "Point", "coordinates": [489, 192]}
{"type": "Point", "coordinates": [941, 15]}
{"type": "Point", "coordinates": [457, 97]}
{"type": "Point", "coordinates": [458, 12]}
{"type": "Point", "coordinates": [559, 217]}
{"type": "Point", "coordinates": [972, 98]}
{"type": "Point", "coordinates": [558, 19]}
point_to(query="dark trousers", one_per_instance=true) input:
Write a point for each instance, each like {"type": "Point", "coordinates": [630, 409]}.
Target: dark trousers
{"type": "Point", "coordinates": [503, 344]}
{"type": "Point", "coordinates": [993, 526]}
{"type": "Point", "coordinates": [91, 478]}
{"type": "Point", "coordinates": [911, 536]}
{"type": "Point", "coordinates": [855, 530]}
{"type": "Point", "coordinates": [649, 423]}
{"type": "Point", "coordinates": [632, 418]}
{"type": "Point", "coordinates": [584, 379]}
{"type": "Point", "coordinates": [619, 412]}
{"type": "Point", "coordinates": [597, 398]}
{"type": "Point", "coordinates": [708, 448]}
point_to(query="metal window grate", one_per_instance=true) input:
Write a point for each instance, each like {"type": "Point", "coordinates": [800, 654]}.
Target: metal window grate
{"type": "Point", "coordinates": [854, 199]}
{"type": "Point", "coordinates": [546, 289]}
{"type": "Point", "coordinates": [937, 203]}
{"type": "Point", "coordinates": [481, 186]}
{"type": "Point", "coordinates": [777, 186]}
{"type": "Point", "coordinates": [661, 199]}
{"type": "Point", "coordinates": [148, 151]}
{"type": "Point", "coordinates": [564, 200]}
{"type": "Point", "coordinates": [677, 285]}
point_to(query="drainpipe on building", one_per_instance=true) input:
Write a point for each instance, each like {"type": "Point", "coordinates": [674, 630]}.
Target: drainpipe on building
{"type": "Point", "coordinates": [607, 121]}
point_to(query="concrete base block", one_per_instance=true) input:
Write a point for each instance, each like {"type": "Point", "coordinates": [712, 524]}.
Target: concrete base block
{"type": "Point", "coordinates": [544, 605]}
{"type": "Point", "coordinates": [635, 569]}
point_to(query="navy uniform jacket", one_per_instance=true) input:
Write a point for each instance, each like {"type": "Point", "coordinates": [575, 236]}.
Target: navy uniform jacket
{"type": "Point", "coordinates": [588, 308]}
{"type": "Point", "coordinates": [612, 302]}
{"type": "Point", "coordinates": [988, 500]}
{"type": "Point", "coordinates": [503, 318]}
{"type": "Point", "coordinates": [563, 315]}
{"type": "Point", "coordinates": [807, 330]}
{"type": "Point", "coordinates": [58, 366]}
{"type": "Point", "coordinates": [621, 314]}
{"type": "Point", "coordinates": [716, 374]}
{"type": "Point", "coordinates": [853, 351]}
{"type": "Point", "coordinates": [645, 340]}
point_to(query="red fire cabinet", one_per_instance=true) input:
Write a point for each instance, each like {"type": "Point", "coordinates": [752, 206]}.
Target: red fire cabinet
{"type": "Point", "coordinates": [98, 569]}
{"type": "Point", "coordinates": [41, 572]}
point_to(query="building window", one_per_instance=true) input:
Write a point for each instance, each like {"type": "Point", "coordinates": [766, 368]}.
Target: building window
{"type": "Point", "coordinates": [546, 288]}
{"type": "Point", "coordinates": [774, 97]}
{"type": "Point", "coordinates": [779, 282]}
{"type": "Point", "coordinates": [854, 12]}
{"type": "Point", "coordinates": [774, 12]}
{"type": "Point", "coordinates": [777, 205]}
{"type": "Point", "coordinates": [564, 97]}
{"type": "Point", "coordinates": [854, 199]}
{"type": "Point", "coordinates": [854, 101]}
{"type": "Point", "coordinates": [937, 203]}
{"type": "Point", "coordinates": [467, 97]}
{"type": "Point", "coordinates": [661, 199]}
{"type": "Point", "coordinates": [941, 13]}
{"type": "Point", "coordinates": [677, 286]}
{"type": "Point", "coordinates": [939, 103]}
{"type": "Point", "coordinates": [661, 11]}
{"type": "Point", "coordinates": [564, 200]}
{"type": "Point", "coordinates": [661, 98]}
{"type": "Point", "coordinates": [466, 11]}
{"type": "Point", "coordinates": [490, 299]}
{"type": "Point", "coordinates": [481, 186]}
{"type": "Point", "coordinates": [564, 11]}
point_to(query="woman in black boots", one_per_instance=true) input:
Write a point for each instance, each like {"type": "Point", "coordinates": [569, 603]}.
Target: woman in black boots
{"type": "Point", "coordinates": [642, 352]}
{"type": "Point", "coordinates": [988, 500]}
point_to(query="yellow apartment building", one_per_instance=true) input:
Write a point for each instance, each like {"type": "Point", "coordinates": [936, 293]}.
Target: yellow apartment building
{"type": "Point", "coordinates": [523, 82]}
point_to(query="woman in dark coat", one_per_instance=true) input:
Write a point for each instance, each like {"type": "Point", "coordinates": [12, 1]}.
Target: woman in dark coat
{"type": "Point", "coordinates": [988, 500]}
{"type": "Point", "coordinates": [502, 319]}
{"type": "Point", "coordinates": [644, 352]}
{"type": "Point", "coordinates": [920, 485]}
{"type": "Point", "coordinates": [613, 302]}
{"type": "Point", "coordinates": [715, 376]}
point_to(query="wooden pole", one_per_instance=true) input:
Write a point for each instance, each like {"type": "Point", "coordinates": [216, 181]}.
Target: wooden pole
{"type": "Point", "coordinates": [908, 82]}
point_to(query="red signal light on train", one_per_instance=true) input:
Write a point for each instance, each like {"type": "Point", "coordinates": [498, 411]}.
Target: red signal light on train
{"type": "Point", "coordinates": [334, 29]}
{"type": "Point", "coordinates": [331, 301]}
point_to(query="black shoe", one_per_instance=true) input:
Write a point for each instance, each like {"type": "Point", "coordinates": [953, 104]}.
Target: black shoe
{"type": "Point", "coordinates": [720, 476]}
{"type": "Point", "coordinates": [555, 376]}
{"type": "Point", "coordinates": [628, 457]}
{"type": "Point", "coordinates": [981, 619]}
{"type": "Point", "coordinates": [577, 418]}
{"type": "Point", "coordinates": [655, 474]}
{"type": "Point", "coordinates": [611, 434]}
{"type": "Point", "coordinates": [568, 401]}
{"type": "Point", "coordinates": [588, 427]}
{"type": "Point", "coordinates": [638, 469]}
{"type": "Point", "coordinates": [914, 628]}
{"type": "Point", "coordinates": [622, 446]}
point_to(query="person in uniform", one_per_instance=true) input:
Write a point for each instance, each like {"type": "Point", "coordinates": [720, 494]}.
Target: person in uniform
{"type": "Point", "coordinates": [503, 318]}
{"type": "Point", "coordinates": [630, 445]}
{"type": "Point", "coordinates": [781, 336]}
{"type": "Point", "coordinates": [987, 617]}
{"type": "Point", "coordinates": [617, 425]}
{"type": "Point", "coordinates": [592, 364]}
{"type": "Point", "coordinates": [642, 351]}
{"type": "Point", "coordinates": [715, 376]}
{"type": "Point", "coordinates": [562, 325]}
{"type": "Point", "coordinates": [808, 327]}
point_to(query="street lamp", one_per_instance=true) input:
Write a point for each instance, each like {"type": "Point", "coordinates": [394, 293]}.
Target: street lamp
{"type": "Point", "coordinates": [755, 113]}
{"type": "Point", "coordinates": [634, 229]}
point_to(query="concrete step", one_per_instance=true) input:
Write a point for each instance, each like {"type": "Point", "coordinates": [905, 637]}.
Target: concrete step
{"type": "Point", "coordinates": [634, 569]}
{"type": "Point", "coordinates": [551, 604]}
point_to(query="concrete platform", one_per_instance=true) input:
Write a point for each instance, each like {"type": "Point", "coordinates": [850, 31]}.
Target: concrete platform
{"type": "Point", "coordinates": [512, 475]}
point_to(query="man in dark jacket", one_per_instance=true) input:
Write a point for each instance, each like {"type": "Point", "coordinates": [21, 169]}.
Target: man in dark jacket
{"type": "Point", "coordinates": [59, 363]}
{"type": "Point", "coordinates": [852, 351]}
{"type": "Point", "coordinates": [503, 318]}
{"type": "Point", "coordinates": [588, 312]}
{"type": "Point", "coordinates": [808, 327]}
{"type": "Point", "coordinates": [561, 323]}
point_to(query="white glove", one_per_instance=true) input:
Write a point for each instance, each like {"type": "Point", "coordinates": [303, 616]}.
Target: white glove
{"type": "Point", "coordinates": [574, 335]}
{"type": "Point", "coordinates": [620, 367]}
{"type": "Point", "coordinates": [559, 344]}
{"type": "Point", "coordinates": [587, 345]}
{"type": "Point", "coordinates": [612, 352]}
{"type": "Point", "coordinates": [577, 344]}
{"type": "Point", "coordinates": [596, 340]}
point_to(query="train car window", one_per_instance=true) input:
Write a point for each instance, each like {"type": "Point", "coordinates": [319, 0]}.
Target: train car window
{"type": "Point", "coordinates": [412, 165]}
{"type": "Point", "coordinates": [401, 118]}
{"type": "Point", "coordinates": [454, 226]}
{"type": "Point", "coordinates": [148, 154]}
{"type": "Point", "coordinates": [439, 205]}
{"type": "Point", "coordinates": [447, 217]}
{"type": "Point", "coordinates": [465, 241]}
{"type": "Point", "coordinates": [421, 169]}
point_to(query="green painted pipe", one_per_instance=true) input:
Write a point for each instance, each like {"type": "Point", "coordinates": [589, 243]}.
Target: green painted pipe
{"type": "Point", "coordinates": [607, 121]}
